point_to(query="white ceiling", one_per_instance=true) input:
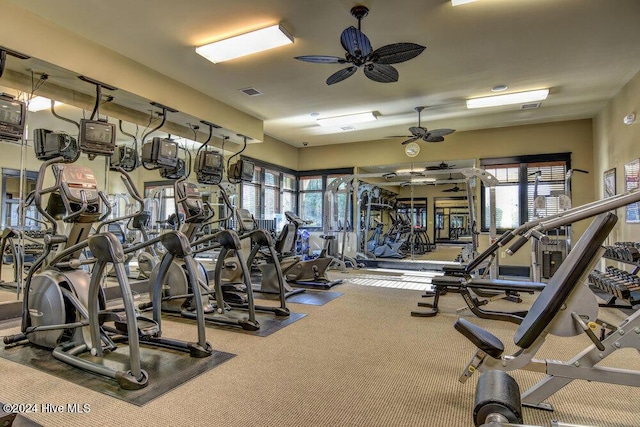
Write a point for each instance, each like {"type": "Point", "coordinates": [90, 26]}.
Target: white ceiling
{"type": "Point", "coordinates": [583, 50]}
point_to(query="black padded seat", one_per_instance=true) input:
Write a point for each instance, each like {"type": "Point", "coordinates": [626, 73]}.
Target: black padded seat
{"type": "Point", "coordinates": [565, 279]}
{"type": "Point", "coordinates": [447, 281]}
{"type": "Point", "coordinates": [552, 297]}
{"type": "Point", "coordinates": [454, 269]}
{"type": "Point", "coordinates": [481, 338]}
{"type": "Point", "coordinates": [506, 285]}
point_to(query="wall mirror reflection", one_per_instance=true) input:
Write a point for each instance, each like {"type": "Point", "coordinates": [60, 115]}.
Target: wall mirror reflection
{"type": "Point", "coordinates": [413, 207]}
{"type": "Point", "coordinates": [452, 222]}
{"type": "Point", "coordinates": [74, 103]}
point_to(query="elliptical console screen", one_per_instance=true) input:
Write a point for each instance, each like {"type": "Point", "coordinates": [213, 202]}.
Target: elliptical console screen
{"type": "Point", "coordinates": [209, 167]}
{"type": "Point", "coordinates": [212, 161]}
{"type": "Point", "coordinates": [160, 152]}
{"type": "Point", "coordinates": [247, 171]}
{"type": "Point", "coordinates": [12, 118]}
{"type": "Point", "coordinates": [97, 137]}
{"type": "Point", "coordinates": [241, 170]}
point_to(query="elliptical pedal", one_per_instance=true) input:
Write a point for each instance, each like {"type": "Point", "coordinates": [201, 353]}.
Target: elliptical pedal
{"type": "Point", "coordinates": [146, 327]}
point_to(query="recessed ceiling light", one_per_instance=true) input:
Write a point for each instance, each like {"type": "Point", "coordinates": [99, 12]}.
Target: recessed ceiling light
{"type": "Point", "coordinates": [499, 88]}
{"type": "Point", "coordinates": [347, 120]}
{"type": "Point", "coordinates": [508, 99]}
{"type": "Point", "coordinates": [246, 44]}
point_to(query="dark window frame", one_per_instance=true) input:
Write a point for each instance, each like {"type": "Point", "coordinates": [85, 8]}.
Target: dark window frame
{"type": "Point", "coordinates": [523, 184]}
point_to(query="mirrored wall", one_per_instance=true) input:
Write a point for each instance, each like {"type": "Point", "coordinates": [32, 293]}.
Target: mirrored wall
{"type": "Point", "coordinates": [399, 212]}
{"type": "Point", "coordinates": [57, 100]}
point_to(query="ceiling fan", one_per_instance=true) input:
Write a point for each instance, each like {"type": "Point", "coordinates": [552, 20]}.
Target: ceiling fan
{"type": "Point", "coordinates": [441, 166]}
{"type": "Point", "coordinates": [454, 189]}
{"type": "Point", "coordinates": [359, 53]}
{"type": "Point", "coordinates": [419, 132]}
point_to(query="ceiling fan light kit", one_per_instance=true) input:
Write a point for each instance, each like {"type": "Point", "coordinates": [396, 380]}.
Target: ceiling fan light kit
{"type": "Point", "coordinates": [376, 64]}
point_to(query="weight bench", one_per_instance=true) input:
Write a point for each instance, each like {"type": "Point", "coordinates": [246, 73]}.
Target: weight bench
{"type": "Point", "coordinates": [471, 289]}
{"type": "Point", "coordinates": [566, 307]}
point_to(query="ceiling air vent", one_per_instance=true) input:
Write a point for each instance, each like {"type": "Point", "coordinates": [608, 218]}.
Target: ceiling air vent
{"type": "Point", "coordinates": [250, 91]}
{"type": "Point", "coordinates": [530, 106]}
{"type": "Point", "coordinates": [345, 128]}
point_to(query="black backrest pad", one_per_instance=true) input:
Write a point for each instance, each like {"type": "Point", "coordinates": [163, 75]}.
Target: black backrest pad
{"type": "Point", "coordinates": [548, 303]}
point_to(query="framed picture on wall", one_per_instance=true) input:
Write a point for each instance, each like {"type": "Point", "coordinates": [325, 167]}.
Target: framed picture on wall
{"type": "Point", "coordinates": [631, 182]}
{"type": "Point", "coordinates": [610, 183]}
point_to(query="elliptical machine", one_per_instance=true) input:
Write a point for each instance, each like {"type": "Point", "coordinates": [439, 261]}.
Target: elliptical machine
{"type": "Point", "coordinates": [64, 305]}
{"type": "Point", "coordinates": [311, 272]}
{"type": "Point", "coordinates": [179, 285]}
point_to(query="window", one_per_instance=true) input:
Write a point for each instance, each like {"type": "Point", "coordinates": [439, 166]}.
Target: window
{"type": "Point", "coordinates": [517, 188]}
{"type": "Point", "coordinates": [251, 193]}
{"type": "Point", "coordinates": [271, 205]}
{"type": "Point", "coordinates": [159, 200]}
{"type": "Point", "coordinates": [311, 195]}
{"type": "Point", "coordinates": [271, 192]}
{"type": "Point", "coordinates": [289, 188]}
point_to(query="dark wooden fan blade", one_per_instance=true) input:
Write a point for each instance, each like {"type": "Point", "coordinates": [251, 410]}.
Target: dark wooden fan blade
{"type": "Point", "coordinates": [433, 138]}
{"type": "Point", "coordinates": [381, 73]}
{"type": "Point", "coordinates": [321, 59]}
{"type": "Point", "coordinates": [341, 75]}
{"type": "Point", "coordinates": [396, 53]}
{"type": "Point", "coordinates": [415, 138]}
{"type": "Point", "coordinates": [441, 132]}
{"type": "Point", "coordinates": [418, 131]}
{"type": "Point", "coordinates": [355, 42]}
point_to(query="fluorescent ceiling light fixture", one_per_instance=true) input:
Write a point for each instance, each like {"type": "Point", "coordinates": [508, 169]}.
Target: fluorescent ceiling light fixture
{"type": "Point", "coordinates": [459, 2]}
{"type": "Point", "coordinates": [423, 179]}
{"type": "Point", "coordinates": [246, 44]}
{"type": "Point", "coordinates": [40, 103]}
{"type": "Point", "coordinates": [508, 99]}
{"type": "Point", "coordinates": [350, 119]}
{"type": "Point", "coordinates": [406, 171]}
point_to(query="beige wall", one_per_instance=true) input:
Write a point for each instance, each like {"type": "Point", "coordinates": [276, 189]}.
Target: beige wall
{"type": "Point", "coordinates": [26, 32]}
{"type": "Point", "coordinates": [569, 136]}
{"type": "Point", "coordinates": [595, 146]}
{"type": "Point", "coordinates": [274, 151]}
{"type": "Point", "coordinates": [615, 144]}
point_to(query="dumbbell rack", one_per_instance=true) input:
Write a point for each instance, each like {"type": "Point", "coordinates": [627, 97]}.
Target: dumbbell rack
{"type": "Point", "coordinates": [621, 285]}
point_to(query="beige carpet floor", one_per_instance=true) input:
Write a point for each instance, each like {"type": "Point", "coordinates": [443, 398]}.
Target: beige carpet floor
{"type": "Point", "coordinates": [360, 360]}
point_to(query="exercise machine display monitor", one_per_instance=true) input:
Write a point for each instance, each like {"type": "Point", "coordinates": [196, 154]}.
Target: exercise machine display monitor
{"type": "Point", "coordinates": [13, 115]}
{"type": "Point", "coordinates": [241, 170]}
{"type": "Point", "coordinates": [160, 152]}
{"type": "Point", "coordinates": [48, 145]}
{"type": "Point", "coordinates": [209, 167]}
{"type": "Point", "coordinates": [97, 137]}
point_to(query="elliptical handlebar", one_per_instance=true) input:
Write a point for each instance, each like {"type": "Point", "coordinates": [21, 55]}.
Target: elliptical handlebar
{"type": "Point", "coordinates": [295, 219]}
{"type": "Point", "coordinates": [133, 192]}
{"type": "Point", "coordinates": [39, 191]}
